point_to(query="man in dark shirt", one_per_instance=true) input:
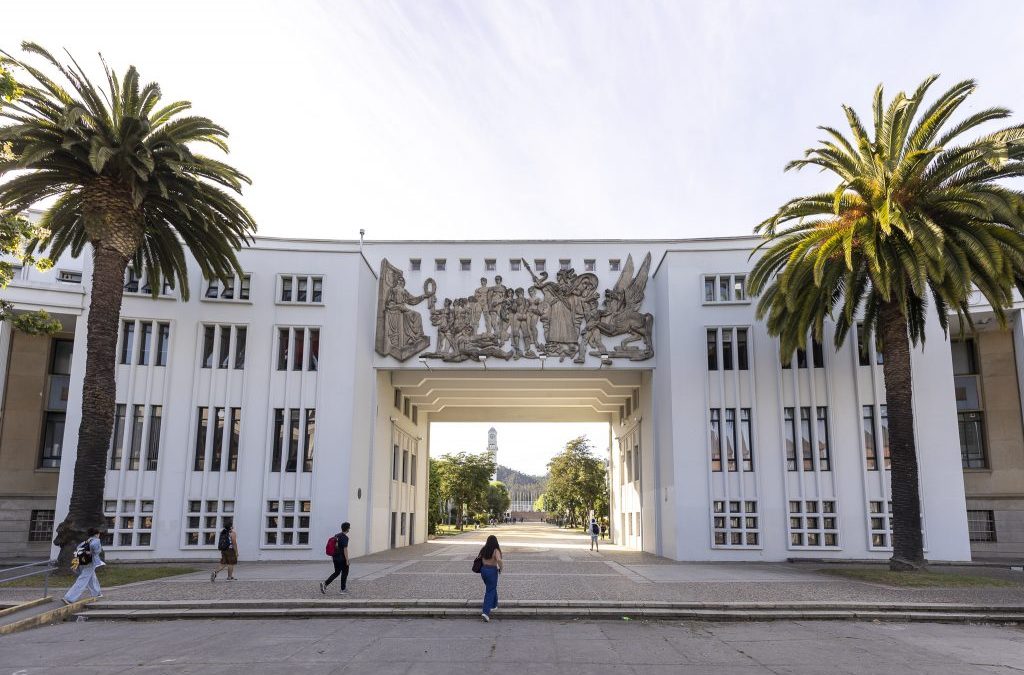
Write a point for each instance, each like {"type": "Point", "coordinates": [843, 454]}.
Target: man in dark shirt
{"type": "Point", "coordinates": [340, 559]}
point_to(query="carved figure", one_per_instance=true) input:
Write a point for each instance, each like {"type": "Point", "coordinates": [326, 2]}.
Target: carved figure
{"type": "Point", "coordinates": [399, 327]}
{"type": "Point", "coordinates": [567, 297]}
{"type": "Point", "coordinates": [479, 306]}
{"type": "Point", "coordinates": [443, 319]}
{"type": "Point", "coordinates": [523, 338]}
{"type": "Point", "coordinates": [621, 315]}
{"type": "Point", "coordinates": [539, 312]}
{"type": "Point", "coordinates": [495, 296]}
{"type": "Point", "coordinates": [469, 346]}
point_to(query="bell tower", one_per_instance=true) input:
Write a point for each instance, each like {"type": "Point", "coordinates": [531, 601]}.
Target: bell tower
{"type": "Point", "coordinates": [492, 449]}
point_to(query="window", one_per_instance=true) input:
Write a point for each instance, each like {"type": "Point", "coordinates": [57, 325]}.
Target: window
{"type": "Point", "coordinates": [746, 440]}
{"type": "Point", "coordinates": [406, 407]}
{"type": "Point", "coordinates": [286, 523]}
{"type": "Point", "coordinates": [817, 357]}
{"type": "Point", "coordinates": [236, 429]}
{"type": "Point", "coordinates": [402, 519]}
{"type": "Point", "coordinates": [60, 360]}
{"type": "Point", "coordinates": [69, 277]}
{"type": "Point", "coordinates": [414, 264]}
{"type": "Point", "coordinates": [135, 453]}
{"type": "Point", "coordinates": [243, 289]}
{"type": "Point", "coordinates": [394, 462]}
{"type": "Point", "coordinates": [131, 283]}
{"type": "Point", "coordinates": [163, 343]}
{"type": "Point", "coordinates": [405, 466]}
{"type": "Point", "coordinates": [314, 348]}
{"type": "Point", "coordinates": [117, 438]}
{"type": "Point", "coordinates": [415, 415]}
{"type": "Point", "coordinates": [515, 264]}
{"type": "Point", "coordinates": [225, 347]}
{"type": "Point", "coordinates": [282, 348]}
{"type": "Point", "coordinates": [589, 265]}
{"type": "Point", "coordinates": [813, 434]}
{"type": "Point", "coordinates": [880, 522]}
{"type": "Point", "coordinates": [465, 264]}
{"type": "Point", "coordinates": [398, 398]}
{"type": "Point", "coordinates": [153, 445]}
{"type": "Point", "coordinates": [412, 470]}
{"type": "Point", "coordinates": [737, 435]}
{"type": "Point", "coordinates": [539, 264]}
{"type": "Point", "coordinates": [40, 525]}
{"type": "Point", "coordinates": [981, 526]}
{"type": "Point", "coordinates": [301, 289]}
{"type": "Point", "coordinates": [231, 288]}
{"type": "Point", "coordinates": [725, 288]}
{"type": "Point", "coordinates": [972, 439]}
{"type": "Point", "coordinates": [490, 264]}
{"type": "Point", "coordinates": [135, 283]}
{"type": "Point", "coordinates": [202, 422]}
{"type": "Point", "coordinates": [564, 264]}
{"type": "Point", "coordinates": [730, 439]}
{"type": "Point", "coordinates": [205, 519]}
{"type": "Point", "coordinates": [614, 264]}
{"type": "Point", "coordinates": [870, 441]}
{"type": "Point", "coordinates": [807, 452]}
{"type": "Point", "coordinates": [290, 442]}
{"type": "Point", "coordinates": [145, 341]}
{"type": "Point", "coordinates": [240, 337]}
{"type": "Point", "coordinates": [53, 440]}
{"type": "Point", "coordinates": [127, 338]}
{"type": "Point", "coordinates": [822, 439]}
{"type": "Point", "coordinates": [129, 523]}
{"type": "Point", "coordinates": [209, 334]}
{"type": "Point", "coordinates": [297, 349]}
{"type": "Point", "coordinates": [213, 288]}
{"type": "Point", "coordinates": [813, 524]}
{"type": "Point", "coordinates": [217, 446]}
{"type": "Point", "coordinates": [789, 424]}
{"type": "Point", "coordinates": [735, 523]}
{"type": "Point", "coordinates": [864, 348]}
{"type": "Point", "coordinates": [734, 349]}
{"type": "Point", "coordinates": [440, 264]}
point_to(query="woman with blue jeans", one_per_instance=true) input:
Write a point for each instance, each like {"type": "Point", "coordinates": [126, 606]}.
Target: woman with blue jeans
{"type": "Point", "coordinates": [490, 554]}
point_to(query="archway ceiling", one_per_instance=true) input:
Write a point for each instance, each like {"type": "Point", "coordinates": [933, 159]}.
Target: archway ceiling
{"type": "Point", "coordinates": [501, 395]}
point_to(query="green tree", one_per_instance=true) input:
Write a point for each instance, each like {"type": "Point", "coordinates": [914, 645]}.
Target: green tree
{"type": "Point", "coordinates": [15, 232]}
{"type": "Point", "coordinates": [130, 184]}
{"type": "Point", "coordinates": [577, 480]}
{"type": "Point", "coordinates": [435, 504]}
{"type": "Point", "coordinates": [498, 500]}
{"type": "Point", "coordinates": [463, 480]}
{"type": "Point", "coordinates": [919, 215]}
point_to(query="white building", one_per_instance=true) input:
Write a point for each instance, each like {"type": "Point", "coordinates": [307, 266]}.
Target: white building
{"type": "Point", "coordinates": [266, 401]}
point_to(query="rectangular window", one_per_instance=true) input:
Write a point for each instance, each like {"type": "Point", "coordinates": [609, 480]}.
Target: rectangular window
{"type": "Point", "coordinates": [398, 398]}
{"type": "Point", "coordinates": [614, 264]}
{"type": "Point", "coordinates": [589, 265]}
{"type": "Point", "coordinates": [299, 348]}
{"type": "Point", "coordinates": [307, 457]}
{"type": "Point", "coordinates": [490, 264]}
{"type": "Point", "coordinates": [225, 347]}
{"type": "Point", "coordinates": [53, 440]}
{"type": "Point", "coordinates": [712, 349]}
{"type": "Point", "coordinates": [883, 416]}
{"type": "Point", "coordinates": [818, 354]}
{"type": "Point", "coordinates": [539, 264]}
{"type": "Point", "coordinates": [213, 288]}
{"type": "Point", "coordinates": [824, 459]}
{"type": "Point", "coordinates": [202, 421]}
{"type": "Point", "coordinates": [805, 439]}
{"type": "Point", "coordinates": [564, 264]}
{"type": "Point", "coordinates": [275, 459]}
{"type": "Point", "coordinates": [117, 439]}
{"type": "Point", "coordinates": [405, 466]}
{"type": "Point", "coordinates": [318, 289]}
{"type": "Point", "coordinates": [735, 523]}
{"type": "Point", "coordinates": [727, 361]}
{"type": "Point", "coordinates": [406, 407]}
{"type": "Point", "coordinates": [864, 347]}
{"type": "Point", "coordinates": [972, 439]}
{"type": "Point", "coordinates": [163, 343]}
{"type": "Point", "coordinates": [243, 290]}
{"type": "Point", "coordinates": [870, 449]}
{"type": "Point", "coordinates": [301, 286]}
{"type": "Point", "coordinates": [813, 524]}
{"type": "Point", "coordinates": [40, 525]}
{"type": "Point", "coordinates": [415, 415]}
{"type": "Point", "coordinates": [282, 348]}
{"type": "Point", "coordinates": [412, 470]}
{"type": "Point", "coordinates": [287, 523]}
{"type": "Point", "coordinates": [127, 338]}
{"type": "Point", "coordinates": [739, 288]}
{"type": "Point", "coordinates": [709, 289]}
{"type": "Point", "coordinates": [240, 337]}
{"type": "Point", "coordinates": [440, 264]}
{"type": "Point", "coordinates": [789, 424]}
{"type": "Point", "coordinates": [229, 289]}
{"type": "Point", "coordinates": [208, 338]}
{"type": "Point", "coordinates": [153, 443]}
{"type": "Point", "coordinates": [394, 462]}
{"type": "Point", "coordinates": [236, 429]}
{"type": "Point", "coordinates": [69, 276]}
{"type": "Point", "coordinates": [880, 521]}
{"type": "Point", "coordinates": [205, 520]}
{"type": "Point", "coordinates": [314, 348]}
{"type": "Point", "coordinates": [293, 441]}
{"type": "Point", "coordinates": [129, 523]}
{"type": "Point", "coordinates": [735, 348]}
{"type": "Point", "coordinates": [465, 264]}
{"type": "Point", "coordinates": [414, 264]}
{"type": "Point", "coordinates": [716, 439]}
{"type": "Point", "coordinates": [402, 532]}
{"type": "Point", "coordinates": [131, 283]}
{"type": "Point", "coordinates": [135, 455]}
{"type": "Point", "coordinates": [746, 440]}
{"type": "Point", "coordinates": [725, 288]}
{"type": "Point", "coordinates": [145, 340]}
{"type": "Point", "coordinates": [218, 439]}
{"type": "Point", "coordinates": [981, 526]}
{"type": "Point", "coordinates": [286, 289]}
{"type": "Point", "coordinates": [730, 439]}
{"type": "Point", "coordinates": [741, 349]}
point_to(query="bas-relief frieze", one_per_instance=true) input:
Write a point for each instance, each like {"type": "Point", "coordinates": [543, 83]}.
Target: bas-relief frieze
{"type": "Point", "coordinates": [565, 317]}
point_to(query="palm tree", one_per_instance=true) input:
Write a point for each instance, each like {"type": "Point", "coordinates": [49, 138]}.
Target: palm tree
{"type": "Point", "coordinates": [919, 215]}
{"type": "Point", "coordinates": [127, 181]}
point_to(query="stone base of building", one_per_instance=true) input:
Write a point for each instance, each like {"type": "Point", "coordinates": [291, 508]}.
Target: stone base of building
{"type": "Point", "coordinates": [996, 527]}
{"type": "Point", "coordinates": [16, 515]}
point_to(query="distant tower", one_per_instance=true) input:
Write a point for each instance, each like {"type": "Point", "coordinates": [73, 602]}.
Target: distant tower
{"type": "Point", "coordinates": [492, 449]}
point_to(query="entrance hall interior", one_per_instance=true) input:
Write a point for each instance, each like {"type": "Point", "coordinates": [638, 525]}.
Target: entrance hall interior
{"type": "Point", "coordinates": [410, 401]}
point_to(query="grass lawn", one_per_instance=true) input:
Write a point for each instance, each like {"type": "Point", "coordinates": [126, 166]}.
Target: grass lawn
{"type": "Point", "coordinates": [881, 575]}
{"type": "Point", "coordinates": [111, 575]}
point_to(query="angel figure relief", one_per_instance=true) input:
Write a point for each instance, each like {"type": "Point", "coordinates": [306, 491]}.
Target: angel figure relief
{"type": "Point", "coordinates": [621, 315]}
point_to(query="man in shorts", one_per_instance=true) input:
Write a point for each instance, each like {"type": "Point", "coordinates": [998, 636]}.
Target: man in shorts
{"type": "Point", "coordinates": [227, 542]}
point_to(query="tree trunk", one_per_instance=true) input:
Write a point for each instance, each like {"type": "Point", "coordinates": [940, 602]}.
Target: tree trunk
{"type": "Point", "coordinates": [98, 399]}
{"type": "Point", "coordinates": [908, 544]}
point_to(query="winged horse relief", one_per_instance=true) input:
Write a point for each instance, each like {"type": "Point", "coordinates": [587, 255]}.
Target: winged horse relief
{"type": "Point", "coordinates": [621, 315]}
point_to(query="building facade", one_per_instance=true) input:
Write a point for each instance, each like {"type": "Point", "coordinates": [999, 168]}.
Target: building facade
{"type": "Point", "coordinates": [301, 393]}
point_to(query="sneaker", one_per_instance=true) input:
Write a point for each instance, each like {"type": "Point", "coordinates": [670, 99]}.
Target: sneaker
{"type": "Point", "coordinates": [323, 588]}
{"type": "Point", "coordinates": [213, 577]}
{"type": "Point", "coordinates": [232, 578]}
{"type": "Point", "coordinates": [343, 591]}
{"type": "Point", "coordinates": [486, 618]}
{"type": "Point", "coordinates": [65, 601]}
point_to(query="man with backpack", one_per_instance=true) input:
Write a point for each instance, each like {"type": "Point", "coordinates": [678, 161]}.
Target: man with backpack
{"type": "Point", "coordinates": [227, 544]}
{"type": "Point", "coordinates": [337, 549]}
{"type": "Point", "coordinates": [594, 530]}
{"type": "Point", "coordinates": [87, 560]}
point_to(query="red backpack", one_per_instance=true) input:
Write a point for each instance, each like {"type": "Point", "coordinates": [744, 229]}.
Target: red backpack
{"type": "Point", "coordinates": [332, 546]}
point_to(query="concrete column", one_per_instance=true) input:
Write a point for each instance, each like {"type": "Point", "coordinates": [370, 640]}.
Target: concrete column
{"type": "Point", "coordinates": [1018, 352]}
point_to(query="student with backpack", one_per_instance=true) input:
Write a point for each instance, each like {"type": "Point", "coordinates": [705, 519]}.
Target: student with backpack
{"type": "Point", "coordinates": [595, 530]}
{"type": "Point", "coordinates": [87, 560]}
{"type": "Point", "coordinates": [337, 549]}
{"type": "Point", "coordinates": [227, 544]}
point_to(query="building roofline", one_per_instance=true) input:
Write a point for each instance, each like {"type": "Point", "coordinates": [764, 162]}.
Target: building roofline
{"type": "Point", "coordinates": [385, 242]}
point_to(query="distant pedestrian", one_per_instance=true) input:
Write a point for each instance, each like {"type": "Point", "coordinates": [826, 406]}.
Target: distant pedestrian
{"type": "Point", "coordinates": [337, 548]}
{"type": "Point", "coordinates": [604, 531]}
{"type": "Point", "coordinates": [88, 556]}
{"type": "Point", "coordinates": [490, 555]}
{"type": "Point", "coordinates": [227, 544]}
{"type": "Point", "coordinates": [595, 530]}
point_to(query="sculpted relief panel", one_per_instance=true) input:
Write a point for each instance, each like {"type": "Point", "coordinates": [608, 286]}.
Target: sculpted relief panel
{"type": "Point", "coordinates": [565, 317]}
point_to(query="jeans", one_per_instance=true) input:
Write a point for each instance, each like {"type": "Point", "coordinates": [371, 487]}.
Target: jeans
{"type": "Point", "coordinates": [490, 577]}
{"type": "Point", "coordinates": [86, 580]}
{"type": "Point", "coordinates": [340, 568]}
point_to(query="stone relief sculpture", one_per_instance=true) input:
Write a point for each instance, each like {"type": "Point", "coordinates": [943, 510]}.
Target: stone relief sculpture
{"type": "Point", "coordinates": [507, 322]}
{"type": "Point", "coordinates": [399, 326]}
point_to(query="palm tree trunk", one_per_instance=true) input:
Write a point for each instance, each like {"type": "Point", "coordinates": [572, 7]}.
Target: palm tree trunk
{"type": "Point", "coordinates": [98, 399]}
{"type": "Point", "coordinates": [908, 545]}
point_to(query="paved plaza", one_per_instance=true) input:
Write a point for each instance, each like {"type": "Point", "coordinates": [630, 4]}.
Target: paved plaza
{"type": "Point", "coordinates": [457, 646]}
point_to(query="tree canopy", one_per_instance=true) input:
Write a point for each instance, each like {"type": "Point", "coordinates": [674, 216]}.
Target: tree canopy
{"type": "Point", "coordinates": [577, 481]}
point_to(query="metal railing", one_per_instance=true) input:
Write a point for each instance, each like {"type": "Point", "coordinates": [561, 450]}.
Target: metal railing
{"type": "Point", "coordinates": [51, 565]}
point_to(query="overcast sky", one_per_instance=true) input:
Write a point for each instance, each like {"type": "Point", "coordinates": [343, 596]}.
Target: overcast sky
{"type": "Point", "coordinates": [529, 119]}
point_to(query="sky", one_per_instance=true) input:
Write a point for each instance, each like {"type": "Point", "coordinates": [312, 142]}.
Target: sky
{"type": "Point", "coordinates": [560, 119]}
{"type": "Point", "coordinates": [525, 447]}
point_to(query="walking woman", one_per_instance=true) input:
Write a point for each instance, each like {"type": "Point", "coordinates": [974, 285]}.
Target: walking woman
{"type": "Point", "coordinates": [490, 554]}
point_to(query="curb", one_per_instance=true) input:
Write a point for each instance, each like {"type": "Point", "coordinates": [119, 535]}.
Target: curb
{"type": "Point", "coordinates": [51, 616]}
{"type": "Point", "coordinates": [25, 605]}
